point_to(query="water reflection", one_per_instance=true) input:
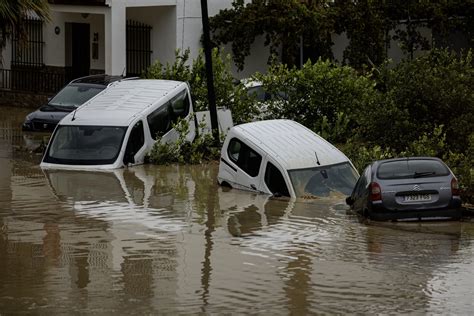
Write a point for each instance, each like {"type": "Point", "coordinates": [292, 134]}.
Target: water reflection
{"type": "Point", "coordinates": [168, 239]}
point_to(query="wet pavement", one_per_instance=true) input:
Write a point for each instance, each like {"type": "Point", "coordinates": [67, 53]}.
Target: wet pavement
{"type": "Point", "coordinates": [168, 239]}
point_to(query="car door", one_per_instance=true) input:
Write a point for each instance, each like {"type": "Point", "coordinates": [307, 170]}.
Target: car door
{"type": "Point", "coordinates": [244, 165]}
{"type": "Point", "coordinates": [273, 180]}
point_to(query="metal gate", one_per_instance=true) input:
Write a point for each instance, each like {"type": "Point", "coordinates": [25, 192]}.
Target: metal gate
{"type": "Point", "coordinates": [138, 47]}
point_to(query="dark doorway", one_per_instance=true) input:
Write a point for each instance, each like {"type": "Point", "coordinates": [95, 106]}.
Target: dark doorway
{"type": "Point", "coordinates": [77, 50]}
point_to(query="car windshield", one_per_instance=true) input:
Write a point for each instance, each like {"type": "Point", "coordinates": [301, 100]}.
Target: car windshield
{"type": "Point", "coordinates": [411, 168]}
{"type": "Point", "coordinates": [324, 181]}
{"type": "Point", "coordinates": [85, 145]}
{"type": "Point", "coordinates": [74, 95]}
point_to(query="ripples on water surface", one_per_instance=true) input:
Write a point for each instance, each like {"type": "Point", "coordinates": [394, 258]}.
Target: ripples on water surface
{"type": "Point", "coordinates": [168, 240]}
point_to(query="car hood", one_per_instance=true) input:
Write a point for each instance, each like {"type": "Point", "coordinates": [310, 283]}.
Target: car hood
{"type": "Point", "coordinates": [50, 116]}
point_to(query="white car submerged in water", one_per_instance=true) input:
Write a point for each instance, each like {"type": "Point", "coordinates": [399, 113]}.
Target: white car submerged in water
{"type": "Point", "coordinates": [119, 126]}
{"type": "Point", "coordinates": [284, 158]}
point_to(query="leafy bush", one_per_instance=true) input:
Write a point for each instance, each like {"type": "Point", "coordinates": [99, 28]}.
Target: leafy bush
{"type": "Point", "coordinates": [322, 96]}
{"type": "Point", "coordinates": [432, 90]}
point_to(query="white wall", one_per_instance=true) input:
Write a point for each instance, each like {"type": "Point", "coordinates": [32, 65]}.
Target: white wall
{"type": "Point", "coordinates": [189, 31]}
{"type": "Point", "coordinates": [163, 21]}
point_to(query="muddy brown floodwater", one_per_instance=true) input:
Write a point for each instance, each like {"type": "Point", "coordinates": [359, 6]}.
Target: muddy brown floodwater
{"type": "Point", "coordinates": [153, 239]}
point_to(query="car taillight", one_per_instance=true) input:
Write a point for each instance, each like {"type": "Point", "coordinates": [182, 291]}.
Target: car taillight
{"type": "Point", "coordinates": [375, 192]}
{"type": "Point", "coordinates": [454, 187]}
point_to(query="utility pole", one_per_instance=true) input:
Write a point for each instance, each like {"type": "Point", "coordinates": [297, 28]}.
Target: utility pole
{"type": "Point", "coordinates": [209, 74]}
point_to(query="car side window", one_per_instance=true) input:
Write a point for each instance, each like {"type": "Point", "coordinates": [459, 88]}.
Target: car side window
{"type": "Point", "coordinates": [243, 156]}
{"type": "Point", "coordinates": [135, 142]}
{"type": "Point", "coordinates": [275, 180]}
{"type": "Point", "coordinates": [180, 105]}
{"type": "Point", "coordinates": [160, 121]}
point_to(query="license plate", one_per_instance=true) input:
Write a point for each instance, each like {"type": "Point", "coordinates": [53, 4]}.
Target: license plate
{"type": "Point", "coordinates": [417, 197]}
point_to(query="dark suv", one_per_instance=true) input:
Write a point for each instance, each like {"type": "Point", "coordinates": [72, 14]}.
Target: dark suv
{"type": "Point", "coordinates": [67, 100]}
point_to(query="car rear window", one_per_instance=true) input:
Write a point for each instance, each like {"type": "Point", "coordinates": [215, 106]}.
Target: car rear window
{"type": "Point", "coordinates": [416, 168]}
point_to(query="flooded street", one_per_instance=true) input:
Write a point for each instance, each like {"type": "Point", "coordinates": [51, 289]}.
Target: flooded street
{"type": "Point", "coordinates": [167, 239]}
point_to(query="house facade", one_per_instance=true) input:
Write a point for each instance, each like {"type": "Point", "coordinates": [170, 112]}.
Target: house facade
{"type": "Point", "coordinates": [105, 36]}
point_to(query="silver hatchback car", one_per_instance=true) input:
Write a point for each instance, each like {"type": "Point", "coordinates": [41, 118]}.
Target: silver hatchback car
{"type": "Point", "coordinates": [407, 188]}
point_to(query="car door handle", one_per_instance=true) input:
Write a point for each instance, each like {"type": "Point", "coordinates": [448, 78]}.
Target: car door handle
{"type": "Point", "coordinates": [253, 187]}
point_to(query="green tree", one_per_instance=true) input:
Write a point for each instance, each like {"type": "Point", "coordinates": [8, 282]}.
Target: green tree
{"type": "Point", "coordinates": [322, 96]}
{"type": "Point", "coordinates": [420, 94]}
{"type": "Point", "coordinates": [370, 25]}
{"type": "Point", "coordinates": [12, 13]}
{"type": "Point", "coordinates": [282, 23]}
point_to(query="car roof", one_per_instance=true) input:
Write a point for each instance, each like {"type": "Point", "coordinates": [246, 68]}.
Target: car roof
{"type": "Point", "coordinates": [291, 144]}
{"type": "Point", "coordinates": [100, 79]}
{"type": "Point", "coordinates": [251, 83]}
{"type": "Point", "coordinates": [379, 162]}
{"type": "Point", "coordinates": [124, 101]}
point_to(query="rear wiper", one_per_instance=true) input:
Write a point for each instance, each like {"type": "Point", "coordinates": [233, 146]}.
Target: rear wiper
{"type": "Point", "coordinates": [423, 174]}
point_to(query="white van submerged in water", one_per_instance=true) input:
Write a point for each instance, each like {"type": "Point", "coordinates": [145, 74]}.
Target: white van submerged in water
{"type": "Point", "coordinates": [119, 126]}
{"type": "Point", "coordinates": [284, 158]}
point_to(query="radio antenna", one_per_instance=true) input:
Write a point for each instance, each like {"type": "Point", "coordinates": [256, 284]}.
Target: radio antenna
{"type": "Point", "coordinates": [317, 159]}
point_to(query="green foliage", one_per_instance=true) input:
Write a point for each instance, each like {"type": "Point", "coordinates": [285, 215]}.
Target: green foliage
{"type": "Point", "coordinates": [182, 151]}
{"type": "Point", "coordinates": [326, 98]}
{"type": "Point", "coordinates": [279, 22]}
{"type": "Point", "coordinates": [369, 24]}
{"type": "Point", "coordinates": [228, 94]}
{"type": "Point", "coordinates": [432, 90]}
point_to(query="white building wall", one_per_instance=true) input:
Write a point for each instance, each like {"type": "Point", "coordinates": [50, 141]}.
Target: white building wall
{"type": "Point", "coordinates": [163, 21]}
{"type": "Point", "coordinates": [189, 31]}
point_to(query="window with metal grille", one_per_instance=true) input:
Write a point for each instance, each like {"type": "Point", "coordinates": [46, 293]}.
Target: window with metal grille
{"type": "Point", "coordinates": [138, 47]}
{"type": "Point", "coordinates": [28, 53]}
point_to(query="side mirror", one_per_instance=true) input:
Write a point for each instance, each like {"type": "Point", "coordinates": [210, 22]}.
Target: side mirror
{"type": "Point", "coordinates": [349, 200]}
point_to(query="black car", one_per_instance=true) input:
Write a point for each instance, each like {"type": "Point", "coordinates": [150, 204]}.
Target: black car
{"type": "Point", "coordinates": [67, 100]}
{"type": "Point", "coordinates": [407, 188]}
